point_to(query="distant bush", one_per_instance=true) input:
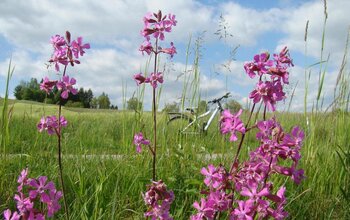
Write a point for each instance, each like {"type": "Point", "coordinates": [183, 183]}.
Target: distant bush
{"type": "Point", "coordinates": [70, 103]}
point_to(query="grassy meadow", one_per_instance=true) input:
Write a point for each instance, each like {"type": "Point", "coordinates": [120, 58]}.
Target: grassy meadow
{"type": "Point", "coordinates": [105, 177]}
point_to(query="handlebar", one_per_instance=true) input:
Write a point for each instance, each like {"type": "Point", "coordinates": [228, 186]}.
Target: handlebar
{"type": "Point", "coordinates": [219, 99]}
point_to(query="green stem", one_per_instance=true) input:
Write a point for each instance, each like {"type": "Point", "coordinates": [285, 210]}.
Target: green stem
{"type": "Point", "coordinates": [60, 166]}
{"type": "Point", "coordinates": [154, 111]}
{"type": "Point", "coordinates": [242, 139]}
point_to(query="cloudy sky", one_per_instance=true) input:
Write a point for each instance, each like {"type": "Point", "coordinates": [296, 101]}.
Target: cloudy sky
{"type": "Point", "coordinates": [112, 28]}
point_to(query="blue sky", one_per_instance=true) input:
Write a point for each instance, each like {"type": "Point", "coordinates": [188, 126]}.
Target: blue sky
{"type": "Point", "coordinates": [112, 28]}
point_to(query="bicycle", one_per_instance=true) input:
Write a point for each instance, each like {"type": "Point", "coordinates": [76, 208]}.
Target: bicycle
{"type": "Point", "coordinates": [191, 123]}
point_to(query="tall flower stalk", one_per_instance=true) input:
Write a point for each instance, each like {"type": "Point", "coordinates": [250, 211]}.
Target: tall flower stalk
{"type": "Point", "coordinates": [65, 52]}
{"type": "Point", "coordinates": [246, 190]}
{"type": "Point", "coordinates": [157, 197]}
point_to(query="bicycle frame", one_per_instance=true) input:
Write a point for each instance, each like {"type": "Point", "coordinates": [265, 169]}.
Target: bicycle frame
{"type": "Point", "coordinates": [196, 118]}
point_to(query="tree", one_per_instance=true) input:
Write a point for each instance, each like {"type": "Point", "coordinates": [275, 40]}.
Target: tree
{"type": "Point", "coordinates": [171, 107]}
{"type": "Point", "coordinates": [103, 101]}
{"type": "Point", "coordinates": [94, 102]}
{"type": "Point", "coordinates": [134, 104]}
{"type": "Point", "coordinates": [30, 90]}
{"type": "Point", "coordinates": [18, 93]}
{"type": "Point", "coordinates": [233, 105]}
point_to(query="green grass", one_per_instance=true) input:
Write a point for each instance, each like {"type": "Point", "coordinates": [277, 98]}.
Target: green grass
{"type": "Point", "coordinates": [105, 188]}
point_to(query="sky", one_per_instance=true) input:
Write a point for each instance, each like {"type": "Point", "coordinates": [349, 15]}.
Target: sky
{"type": "Point", "coordinates": [112, 27]}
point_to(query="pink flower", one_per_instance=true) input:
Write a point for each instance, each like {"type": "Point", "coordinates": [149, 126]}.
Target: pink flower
{"type": "Point", "coordinates": [155, 24]}
{"type": "Point", "coordinates": [214, 177]}
{"type": "Point", "coordinates": [221, 201]}
{"type": "Point", "coordinates": [251, 190]}
{"type": "Point", "coordinates": [243, 211]}
{"type": "Point", "coordinates": [205, 210]}
{"type": "Point", "coordinates": [52, 201]}
{"type": "Point", "coordinates": [139, 78]}
{"type": "Point", "coordinates": [154, 79]}
{"type": "Point", "coordinates": [269, 129]}
{"type": "Point", "coordinates": [66, 86]}
{"type": "Point", "coordinates": [172, 19]}
{"type": "Point", "coordinates": [260, 65]}
{"type": "Point", "coordinates": [59, 57]}
{"type": "Point", "coordinates": [64, 50]}
{"type": "Point", "coordinates": [231, 124]}
{"type": "Point", "coordinates": [158, 200]}
{"type": "Point", "coordinates": [39, 187]}
{"type": "Point", "coordinates": [57, 41]}
{"type": "Point", "coordinates": [8, 215]}
{"type": "Point", "coordinates": [37, 198]}
{"type": "Point", "coordinates": [51, 124]}
{"type": "Point", "coordinates": [47, 85]}
{"type": "Point", "coordinates": [24, 204]}
{"type": "Point", "coordinates": [22, 179]}
{"type": "Point", "coordinates": [294, 139]}
{"type": "Point", "coordinates": [140, 140]}
{"type": "Point", "coordinates": [146, 46]}
{"type": "Point", "coordinates": [78, 47]}
{"type": "Point", "coordinates": [171, 51]}
{"type": "Point", "coordinates": [269, 92]}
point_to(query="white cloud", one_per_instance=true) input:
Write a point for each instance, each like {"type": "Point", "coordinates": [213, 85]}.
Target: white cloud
{"type": "Point", "coordinates": [247, 24]}
{"type": "Point", "coordinates": [336, 29]}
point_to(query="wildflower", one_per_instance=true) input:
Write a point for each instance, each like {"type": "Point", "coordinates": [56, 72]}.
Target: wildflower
{"type": "Point", "coordinates": [66, 86]}
{"type": "Point", "coordinates": [231, 124]}
{"type": "Point", "coordinates": [146, 46]}
{"type": "Point", "coordinates": [47, 85]}
{"type": "Point", "coordinates": [51, 124]}
{"type": "Point", "coordinates": [269, 92]}
{"type": "Point", "coordinates": [140, 140]}
{"type": "Point", "coordinates": [8, 215]}
{"type": "Point", "coordinates": [154, 79]}
{"type": "Point", "coordinates": [259, 66]}
{"type": "Point", "coordinates": [57, 41]}
{"type": "Point", "coordinates": [64, 50]}
{"type": "Point", "coordinates": [171, 51]}
{"type": "Point", "coordinates": [251, 190]}
{"type": "Point", "coordinates": [52, 201]}
{"type": "Point", "coordinates": [139, 78]}
{"type": "Point", "coordinates": [78, 47]}
{"type": "Point", "coordinates": [39, 187]}
{"type": "Point", "coordinates": [158, 199]}
{"type": "Point", "coordinates": [35, 197]}
{"type": "Point", "coordinates": [243, 211]}
{"type": "Point", "coordinates": [205, 210]}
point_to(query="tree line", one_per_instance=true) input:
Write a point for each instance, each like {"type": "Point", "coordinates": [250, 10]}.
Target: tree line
{"type": "Point", "coordinates": [30, 90]}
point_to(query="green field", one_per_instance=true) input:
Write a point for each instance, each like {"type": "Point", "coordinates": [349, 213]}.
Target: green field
{"type": "Point", "coordinates": [103, 186]}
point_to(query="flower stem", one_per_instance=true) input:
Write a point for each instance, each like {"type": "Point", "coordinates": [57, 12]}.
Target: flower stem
{"type": "Point", "coordinates": [242, 139]}
{"type": "Point", "coordinates": [60, 155]}
{"type": "Point", "coordinates": [154, 111]}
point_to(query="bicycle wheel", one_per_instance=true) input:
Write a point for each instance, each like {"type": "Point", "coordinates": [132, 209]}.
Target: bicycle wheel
{"type": "Point", "coordinates": [175, 127]}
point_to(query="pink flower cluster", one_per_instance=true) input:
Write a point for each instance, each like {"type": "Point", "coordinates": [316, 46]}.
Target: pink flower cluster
{"type": "Point", "coordinates": [158, 200]}
{"type": "Point", "coordinates": [269, 91]}
{"type": "Point", "coordinates": [246, 192]}
{"type": "Point", "coordinates": [51, 124]}
{"type": "Point", "coordinates": [65, 85]}
{"type": "Point", "coordinates": [230, 123]}
{"type": "Point", "coordinates": [35, 200]}
{"type": "Point", "coordinates": [249, 180]}
{"type": "Point", "coordinates": [65, 51]}
{"type": "Point", "coordinates": [153, 79]}
{"type": "Point", "coordinates": [140, 140]}
{"type": "Point", "coordinates": [155, 25]}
